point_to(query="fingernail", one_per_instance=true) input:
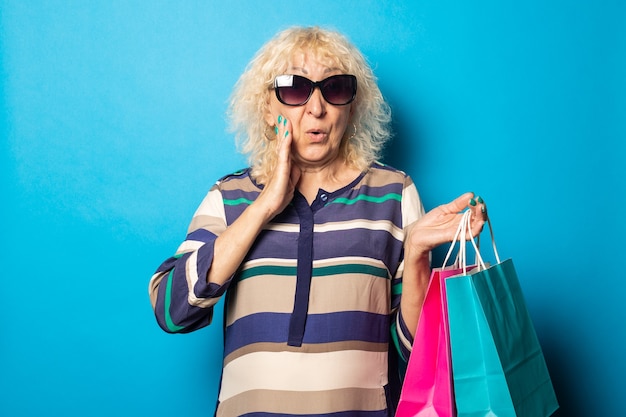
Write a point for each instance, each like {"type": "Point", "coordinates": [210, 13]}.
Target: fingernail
{"type": "Point", "coordinates": [285, 121]}
{"type": "Point", "coordinates": [480, 200]}
{"type": "Point", "coordinates": [286, 133]}
{"type": "Point", "coordinates": [483, 209]}
{"type": "Point", "coordinates": [276, 129]}
{"type": "Point", "coordinates": [280, 119]}
{"type": "Point", "coordinates": [472, 202]}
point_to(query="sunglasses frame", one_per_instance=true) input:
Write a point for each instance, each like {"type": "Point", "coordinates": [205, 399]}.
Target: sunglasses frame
{"type": "Point", "coordinates": [314, 85]}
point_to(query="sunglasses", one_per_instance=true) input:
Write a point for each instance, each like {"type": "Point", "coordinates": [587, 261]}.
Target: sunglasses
{"type": "Point", "coordinates": [294, 90]}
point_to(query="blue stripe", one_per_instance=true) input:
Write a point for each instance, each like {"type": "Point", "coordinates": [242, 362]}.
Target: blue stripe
{"type": "Point", "coordinates": [320, 328]}
{"type": "Point", "coordinates": [201, 235]}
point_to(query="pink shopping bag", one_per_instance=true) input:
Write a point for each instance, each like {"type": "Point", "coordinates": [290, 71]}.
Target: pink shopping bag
{"type": "Point", "coordinates": [427, 390]}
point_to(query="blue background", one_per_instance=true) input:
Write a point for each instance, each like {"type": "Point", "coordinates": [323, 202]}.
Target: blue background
{"type": "Point", "coordinates": [113, 129]}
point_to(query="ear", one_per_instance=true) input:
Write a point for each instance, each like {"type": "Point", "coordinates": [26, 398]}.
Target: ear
{"type": "Point", "coordinates": [269, 116]}
{"type": "Point", "coordinates": [351, 114]}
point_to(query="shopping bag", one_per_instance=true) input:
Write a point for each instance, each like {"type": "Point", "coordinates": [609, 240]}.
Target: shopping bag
{"type": "Point", "coordinates": [427, 388]}
{"type": "Point", "coordinates": [497, 362]}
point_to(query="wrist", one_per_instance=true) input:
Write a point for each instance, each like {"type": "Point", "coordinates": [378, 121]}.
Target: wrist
{"type": "Point", "coordinates": [417, 255]}
{"type": "Point", "coordinates": [258, 213]}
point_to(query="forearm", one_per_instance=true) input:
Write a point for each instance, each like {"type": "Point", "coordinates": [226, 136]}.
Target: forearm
{"type": "Point", "coordinates": [183, 303]}
{"type": "Point", "coordinates": [234, 243]}
{"type": "Point", "coordinates": [181, 295]}
{"type": "Point", "coordinates": [414, 285]}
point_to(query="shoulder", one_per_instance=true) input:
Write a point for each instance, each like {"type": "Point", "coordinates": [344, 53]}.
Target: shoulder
{"type": "Point", "coordinates": [234, 176]}
{"type": "Point", "coordinates": [238, 180]}
{"type": "Point", "coordinates": [385, 174]}
{"type": "Point", "coordinates": [389, 176]}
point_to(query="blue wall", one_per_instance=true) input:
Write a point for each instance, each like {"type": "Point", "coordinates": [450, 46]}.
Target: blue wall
{"type": "Point", "coordinates": [113, 128]}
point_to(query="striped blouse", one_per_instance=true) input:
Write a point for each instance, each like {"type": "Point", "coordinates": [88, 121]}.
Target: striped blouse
{"type": "Point", "coordinates": [312, 315]}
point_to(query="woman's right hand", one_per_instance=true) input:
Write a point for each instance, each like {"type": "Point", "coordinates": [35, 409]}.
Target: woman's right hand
{"type": "Point", "coordinates": [233, 244]}
{"type": "Point", "coordinates": [280, 187]}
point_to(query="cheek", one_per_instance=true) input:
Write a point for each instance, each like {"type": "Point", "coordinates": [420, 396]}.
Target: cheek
{"type": "Point", "coordinates": [343, 122]}
{"type": "Point", "coordinates": [292, 113]}
{"type": "Point", "coordinates": [273, 113]}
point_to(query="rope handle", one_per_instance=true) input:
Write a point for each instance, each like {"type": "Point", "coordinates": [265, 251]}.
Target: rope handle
{"type": "Point", "coordinates": [464, 229]}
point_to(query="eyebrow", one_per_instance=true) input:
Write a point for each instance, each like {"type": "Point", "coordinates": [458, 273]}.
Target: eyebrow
{"type": "Point", "coordinates": [304, 71]}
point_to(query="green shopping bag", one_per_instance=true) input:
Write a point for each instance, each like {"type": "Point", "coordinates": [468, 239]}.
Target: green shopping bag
{"type": "Point", "coordinates": [497, 363]}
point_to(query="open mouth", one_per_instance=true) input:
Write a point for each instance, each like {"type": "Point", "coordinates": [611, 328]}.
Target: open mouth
{"type": "Point", "coordinates": [316, 134]}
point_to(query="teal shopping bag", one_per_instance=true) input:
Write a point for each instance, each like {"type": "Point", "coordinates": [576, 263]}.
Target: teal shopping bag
{"type": "Point", "coordinates": [497, 363]}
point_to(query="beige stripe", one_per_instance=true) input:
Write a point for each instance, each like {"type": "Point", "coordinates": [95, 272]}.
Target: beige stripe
{"type": "Point", "coordinates": [384, 225]}
{"type": "Point", "coordinates": [238, 184]}
{"type": "Point", "coordinates": [294, 403]}
{"type": "Point", "coordinates": [381, 178]}
{"type": "Point", "coordinates": [211, 211]}
{"type": "Point", "coordinates": [316, 264]}
{"type": "Point", "coordinates": [350, 292]}
{"type": "Point", "coordinates": [308, 348]}
{"type": "Point", "coordinates": [189, 246]}
{"type": "Point", "coordinates": [349, 260]}
{"type": "Point", "coordinates": [213, 224]}
{"type": "Point", "coordinates": [329, 294]}
{"type": "Point", "coordinates": [267, 293]}
{"type": "Point", "coordinates": [400, 270]}
{"type": "Point", "coordinates": [153, 287]}
{"type": "Point", "coordinates": [412, 208]}
{"type": "Point", "coordinates": [192, 279]}
{"type": "Point", "coordinates": [401, 337]}
{"type": "Point", "coordinates": [269, 261]}
{"type": "Point", "coordinates": [283, 227]}
{"type": "Point", "coordinates": [296, 371]}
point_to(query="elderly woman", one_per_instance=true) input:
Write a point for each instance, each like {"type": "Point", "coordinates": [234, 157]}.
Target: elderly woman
{"type": "Point", "coordinates": [321, 252]}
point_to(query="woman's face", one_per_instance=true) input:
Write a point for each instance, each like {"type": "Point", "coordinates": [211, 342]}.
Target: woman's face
{"type": "Point", "coordinates": [317, 127]}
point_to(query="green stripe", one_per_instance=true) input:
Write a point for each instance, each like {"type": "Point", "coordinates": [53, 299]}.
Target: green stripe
{"type": "Point", "coordinates": [317, 272]}
{"type": "Point", "coordinates": [350, 268]}
{"type": "Point", "coordinates": [396, 342]}
{"type": "Point", "coordinates": [396, 289]}
{"type": "Point", "coordinates": [237, 201]}
{"type": "Point", "coordinates": [168, 301]}
{"type": "Point", "coordinates": [394, 338]}
{"type": "Point", "coordinates": [368, 198]}
{"type": "Point", "coordinates": [268, 270]}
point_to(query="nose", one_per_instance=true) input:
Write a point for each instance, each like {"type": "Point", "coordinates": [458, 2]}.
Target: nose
{"type": "Point", "coordinates": [316, 106]}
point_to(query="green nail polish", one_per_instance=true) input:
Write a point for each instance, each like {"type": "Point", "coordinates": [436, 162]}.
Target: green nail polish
{"type": "Point", "coordinates": [472, 202]}
{"type": "Point", "coordinates": [483, 210]}
{"type": "Point", "coordinates": [286, 133]}
{"type": "Point", "coordinates": [280, 119]}
{"type": "Point", "coordinates": [480, 200]}
{"type": "Point", "coordinates": [276, 129]}
{"type": "Point", "coordinates": [285, 121]}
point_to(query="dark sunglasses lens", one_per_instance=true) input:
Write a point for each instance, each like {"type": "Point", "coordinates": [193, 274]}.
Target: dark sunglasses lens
{"type": "Point", "coordinates": [339, 89]}
{"type": "Point", "coordinates": [294, 92]}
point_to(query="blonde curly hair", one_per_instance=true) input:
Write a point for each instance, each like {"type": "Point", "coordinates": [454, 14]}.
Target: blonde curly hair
{"type": "Point", "coordinates": [249, 102]}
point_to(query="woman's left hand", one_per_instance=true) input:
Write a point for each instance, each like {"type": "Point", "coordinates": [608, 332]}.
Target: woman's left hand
{"type": "Point", "coordinates": [439, 225]}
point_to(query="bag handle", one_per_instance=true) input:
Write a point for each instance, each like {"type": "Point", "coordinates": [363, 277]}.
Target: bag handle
{"type": "Point", "coordinates": [493, 241]}
{"type": "Point", "coordinates": [463, 230]}
{"type": "Point", "coordinates": [459, 236]}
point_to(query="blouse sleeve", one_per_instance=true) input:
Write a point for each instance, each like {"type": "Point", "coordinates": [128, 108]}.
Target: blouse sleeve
{"type": "Point", "coordinates": [412, 210]}
{"type": "Point", "coordinates": [180, 295]}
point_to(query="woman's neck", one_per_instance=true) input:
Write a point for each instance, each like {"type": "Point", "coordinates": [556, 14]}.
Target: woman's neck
{"type": "Point", "coordinates": [330, 178]}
